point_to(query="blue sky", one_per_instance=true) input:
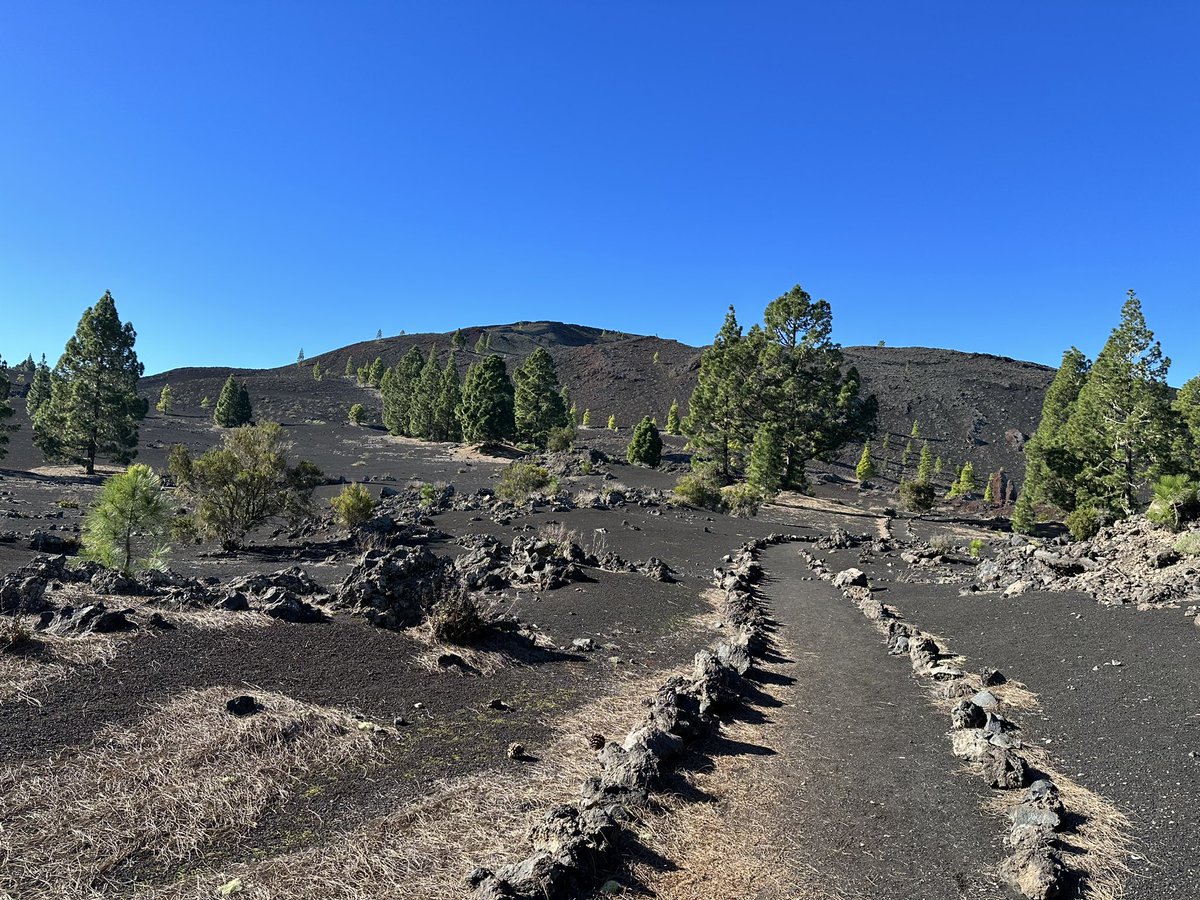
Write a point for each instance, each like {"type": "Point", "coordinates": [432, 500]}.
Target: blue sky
{"type": "Point", "coordinates": [252, 178]}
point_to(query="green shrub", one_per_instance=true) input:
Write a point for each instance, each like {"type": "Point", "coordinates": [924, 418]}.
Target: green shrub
{"type": "Point", "coordinates": [455, 618]}
{"type": "Point", "coordinates": [559, 439]}
{"type": "Point", "coordinates": [428, 493]}
{"type": "Point", "coordinates": [354, 505]}
{"type": "Point", "coordinates": [645, 447]}
{"type": "Point", "coordinates": [358, 415]}
{"type": "Point", "coordinates": [1084, 522]}
{"type": "Point", "coordinates": [741, 500]}
{"type": "Point", "coordinates": [1188, 544]}
{"type": "Point", "coordinates": [520, 480]}
{"type": "Point", "coordinates": [917, 496]}
{"type": "Point", "coordinates": [976, 547]}
{"type": "Point", "coordinates": [127, 526]}
{"type": "Point", "coordinates": [1176, 502]}
{"type": "Point", "coordinates": [698, 490]}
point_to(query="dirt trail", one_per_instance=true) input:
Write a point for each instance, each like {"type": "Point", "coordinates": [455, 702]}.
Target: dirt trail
{"type": "Point", "coordinates": [854, 792]}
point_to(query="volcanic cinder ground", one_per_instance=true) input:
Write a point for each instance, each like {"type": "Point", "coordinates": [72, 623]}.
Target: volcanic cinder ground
{"type": "Point", "coordinates": [378, 764]}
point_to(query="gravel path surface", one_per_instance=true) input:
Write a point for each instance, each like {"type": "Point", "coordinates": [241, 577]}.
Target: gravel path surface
{"type": "Point", "coordinates": [1130, 732]}
{"type": "Point", "coordinates": [866, 802]}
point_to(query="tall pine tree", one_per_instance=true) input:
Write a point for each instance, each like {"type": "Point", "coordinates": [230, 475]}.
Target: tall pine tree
{"type": "Point", "coordinates": [233, 407]}
{"type": "Point", "coordinates": [422, 412]}
{"type": "Point", "coordinates": [538, 402]}
{"type": "Point", "coordinates": [449, 396]}
{"type": "Point", "coordinates": [1187, 408]}
{"type": "Point", "coordinates": [486, 410]}
{"type": "Point", "coordinates": [1050, 469]}
{"type": "Point", "coordinates": [39, 388]}
{"type": "Point", "coordinates": [6, 410]}
{"type": "Point", "coordinates": [94, 407]}
{"type": "Point", "coordinates": [673, 426]}
{"type": "Point", "coordinates": [1122, 431]}
{"type": "Point", "coordinates": [399, 391]}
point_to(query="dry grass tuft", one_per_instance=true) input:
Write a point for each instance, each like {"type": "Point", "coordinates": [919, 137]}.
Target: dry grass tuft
{"type": "Point", "coordinates": [426, 850]}
{"type": "Point", "coordinates": [40, 659]}
{"type": "Point", "coordinates": [161, 790]}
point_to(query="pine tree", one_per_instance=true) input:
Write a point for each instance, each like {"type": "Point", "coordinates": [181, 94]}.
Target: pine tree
{"type": "Point", "coordinates": [1050, 469]}
{"type": "Point", "coordinates": [166, 400]}
{"type": "Point", "coordinates": [1122, 431]}
{"type": "Point", "coordinates": [481, 344]}
{"type": "Point", "coordinates": [423, 410]}
{"type": "Point", "coordinates": [938, 465]}
{"type": "Point", "coordinates": [486, 410]}
{"type": "Point", "coordinates": [300, 358]}
{"type": "Point", "coordinates": [765, 470]}
{"type": "Point", "coordinates": [989, 493]}
{"type": "Point", "coordinates": [126, 527]}
{"type": "Point", "coordinates": [612, 423]}
{"type": "Point", "coordinates": [316, 371]}
{"type": "Point", "coordinates": [538, 404]}
{"type": "Point", "coordinates": [925, 466]}
{"type": "Point", "coordinates": [966, 480]}
{"type": "Point", "coordinates": [375, 374]}
{"type": "Point", "coordinates": [656, 358]}
{"type": "Point", "coordinates": [673, 418]}
{"type": "Point", "coordinates": [448, 427]}
{"type": "Point", "coordinates": [233, 405]}
{"type": "Point", "coordinates": [6, 410]}
{"type": "Point", "coordinates": [94, 407]}
{"type": "Point", "coordinates": [349, 370]}
{"type": "Point", "coordinates": [804, 390]}
{"type": "Point", "coordinates": [645, 447]}
{"type": "Point", "coordinates": [573, 415]}
{"type": "Point", "coordinates": [1187, 408]}
{"type": "Point", "coordinates": [459, 340]}
{"type": "Point", "coordinates": [587, 418]}
{"type": "Point", "coordinates": [887, 442]}
{"type": "Point", "coordinates": [39, 389]}
{"type": "Point", "coordinates": [487, 343]}
{"type": "Point", "coordinates": [363, 373]}
{"type": "Point", "coordinates": [205, 402]}
{"type": "Point", "coordinates": [865, 470]}
{"type": "Point", "coordinates": [907, 454]}
{"type": "Point", "coordinates": [358, 414]}
{"type": "Point", "coordinates": [1024, 519]}
{"type": "Point", "coordinates": [916, 430]}
{"type": "Point", "coordinates": [379, 334]}
{"type": "Point", "coordinates": [399, 391]}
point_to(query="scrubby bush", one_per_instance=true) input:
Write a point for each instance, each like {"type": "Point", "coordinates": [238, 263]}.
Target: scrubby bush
{"type": "Point", "coordinates": [917, 496]}
{"type": "Point", "coordinates": [976, 547]}
{"type": "Point", "coordinates": [645, 447]}
{"type": "Point", "coordinates": [699, 490]}
{"type": "Point", "coordinates": [455, 618]}
{"type": "Point", "coordinates": [127, 526]}
{"type": "Point", "coordinates": [560, 439]}
{"type": "Point", "coordinates": [520, 480]}
{"type": "Point", "coordinates": [354, 505]}
{"type": "Point", "coordinates": [358, 415]}
{"type": "Point", "coordinates": [1188, 544]}
{"type": "Point", "coordinates": [428, 494]}
{"type": "Point", "coordinates": [1176, 502]}
{"type": "Point", "coordinates": [741, 500]}
{"type": "Point", "coordinates": [1085, 522]}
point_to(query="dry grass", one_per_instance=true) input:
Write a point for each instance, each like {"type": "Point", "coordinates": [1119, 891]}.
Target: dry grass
{"type": "Point", "coordinates": [161, 790]}
{"type": "Point", "coordinates": [426, 850]}
{"type": "Point", "coordinates": [42, 659]}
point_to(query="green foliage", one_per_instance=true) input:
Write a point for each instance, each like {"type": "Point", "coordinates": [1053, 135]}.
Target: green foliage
{"type": "Point", "coordinates": [1049, 468]}
{"type": "Point", "coordinates": [917, 496]}
{"type": "Point", "coordinates": [481, 344]}
{"type": "Point", "coordinates": [205, 402]}
{"type": "Point", "coordinates": [938, 465]}
{"type": "Point", "coordinates": [673, 424]}
{"type": "Point", "coordinates": [741, 500]}
{"type": "Point", "coordinates": [349, 370]}
{"type": "Point", "coordinates": [6, 410]}
{"type": "Point", "coordinates": [700, 490]}
{"type": "Point", "coordinates": [1176, 501]}
{"type": "Point", "coordinates": [399, 391]}
{"type": "Point", "coordinates": [887, 442]}
{"type": "Point", "coordinates": [538, 403]}
{"type": "Point", "coordinates": [655, 359]}
{"type": "Point", "coordinates": [486, 411]}
{"type": "Point", "coordinates": [233, 405]}
{"type": "Point", "coordinates": [363, 374]}
{"type": "Point", "coordinates": [976, 547]}
{"type": "Point", "coordinates": [587, 418]}
{"type": "Point", "coordinates": [1187, 409]}
{"type": "Point", "coordinates": [561, 439]}
{"type": "Point", "coordinates": [166, 400]}
{"type": "Point", "coordinates": [645, 447]}
{"type": "Point", "coordinates": [906, 455]}
{"type": "Point", "coordinates": [459, 340]}
{"type": "Point", "coordinates": [358, 414]}
{"type": "Point", "coordinates": [916, 430]}
{"type": "Point", "coordinates": [612, 423]}
{"type": "Point", "coordinates": [446, 426]}
{"type": "Point", "coordinates": [428, 494]}
{"type": "Point", "coordinates": [1188, 544]}
{"type": "Point", "coordinates": [423, 407]}
{"type": "Point", "coordinates": [965, 485]}
{"type": "Point", "coordinates": [94, 407]}
{"type": "Point", "coordinates": [520, 480]}
{"type": "Point", "coordinates": [766, 468]}
{"type": "Point", "coordinates": [925, 466]}
{"type": "Point", "coordinates": [573, 415]}
{"type": "Point", "coordinates": [244, 483]}
{"type": "Point", "coordinates": [1084, 522]}
{"type": "Point", "coordinates": [375, 373]}
{"type": "Point", "coordinates": [1024, 517]}
{"type": "Point", "coordinates": [316, 372]}
{"type": "Point", "coordinates": [127, 525]}
{"type": "Point", "coordinates": [989, 493]}
{"type": "Point", "coordinates": [353, 505]}
{"type": "Point", "coordinates": [865, 470]}
{"type": "Point", "coordinates": [300, 357]}
{"type": "Point", "coordinates": [39, 389]}
{"type": "Point", "coordinates": [1121, 431]}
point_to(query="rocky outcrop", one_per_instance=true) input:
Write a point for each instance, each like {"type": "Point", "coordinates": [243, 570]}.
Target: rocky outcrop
{"type": "Point", "coordinates": [393, 589]}
{"type": "Point", "coordinates": [95, 618]}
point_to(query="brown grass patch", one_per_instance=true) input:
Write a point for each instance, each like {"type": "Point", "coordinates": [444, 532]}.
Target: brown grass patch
{"type": "Point", "coordinates": [43, 659]}
{"type": "Point", "coordinates": [161, 790]}
{"type": "Point", "coordinates": [426, 850]}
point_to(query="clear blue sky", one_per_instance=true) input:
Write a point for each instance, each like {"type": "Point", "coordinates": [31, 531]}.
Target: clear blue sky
{"type": "Point", "coordinates": [249, 178]}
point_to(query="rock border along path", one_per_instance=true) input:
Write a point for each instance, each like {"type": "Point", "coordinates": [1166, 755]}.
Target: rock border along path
{"type": "Point", "coordinates": [1037, 866]}
{"type": "Point", "coordinates": [574, 843]}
